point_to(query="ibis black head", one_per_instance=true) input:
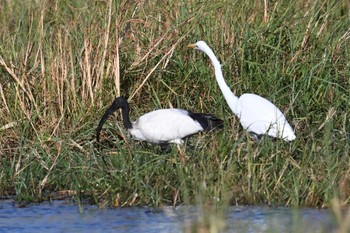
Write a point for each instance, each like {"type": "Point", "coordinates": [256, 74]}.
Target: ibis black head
{"type": "Point", "coordinates": [119, 102]}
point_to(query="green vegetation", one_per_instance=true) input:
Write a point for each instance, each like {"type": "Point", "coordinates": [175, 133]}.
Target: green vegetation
{"type": "Point", "coordinates": [63, 62]}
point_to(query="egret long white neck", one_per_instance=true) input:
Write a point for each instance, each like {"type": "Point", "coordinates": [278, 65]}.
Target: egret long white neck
{"type": "Point", "coordinates": [231, 99]}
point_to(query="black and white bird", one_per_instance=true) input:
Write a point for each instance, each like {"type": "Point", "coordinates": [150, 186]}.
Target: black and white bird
{"type": "Point", "coordinates": [162, 126]}
{"type": "Point", "coordinates": [257, 115]}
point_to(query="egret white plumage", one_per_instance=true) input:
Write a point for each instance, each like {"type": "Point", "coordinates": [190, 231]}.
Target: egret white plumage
{"type": "Point", "coordinates": [257, 114]}
{"type": "Point", "coordinates": [162, 126]}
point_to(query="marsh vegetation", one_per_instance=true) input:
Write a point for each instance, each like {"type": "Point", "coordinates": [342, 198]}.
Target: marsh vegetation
{"type": "Point", "coordinates": [63, 62]}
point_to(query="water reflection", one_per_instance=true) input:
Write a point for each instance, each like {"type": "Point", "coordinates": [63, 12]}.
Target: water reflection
{"type": "Point", "coordinates": [60, 216]}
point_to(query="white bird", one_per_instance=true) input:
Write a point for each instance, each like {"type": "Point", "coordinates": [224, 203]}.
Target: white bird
{"type": "Point", "coordinates": [162, 126]}
{"type": "Point", "coordinates": [257, 115]}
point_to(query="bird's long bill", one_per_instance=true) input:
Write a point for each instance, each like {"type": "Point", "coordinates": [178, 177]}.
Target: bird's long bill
{"type": "Point", "coordinates": [104, 118]}
{"type": "Point", "coordinates": [192, 46]}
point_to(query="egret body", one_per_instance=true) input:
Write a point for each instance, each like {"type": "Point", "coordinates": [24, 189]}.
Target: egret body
{"type": "Point", "coordinates": [257, 114]}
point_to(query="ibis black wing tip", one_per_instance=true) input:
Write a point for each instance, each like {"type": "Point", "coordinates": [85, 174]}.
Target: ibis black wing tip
{"type": "Point", "coordinates": [207, 121]}
{"type": "Point", "coordinates": [216, 123]}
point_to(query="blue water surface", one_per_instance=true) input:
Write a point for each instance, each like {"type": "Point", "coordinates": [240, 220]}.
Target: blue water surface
{"type": "Point", "coordinates": [61, 216]}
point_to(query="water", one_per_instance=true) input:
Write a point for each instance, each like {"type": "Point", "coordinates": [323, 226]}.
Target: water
{"type": "Point", "coordinates": [60, 216]}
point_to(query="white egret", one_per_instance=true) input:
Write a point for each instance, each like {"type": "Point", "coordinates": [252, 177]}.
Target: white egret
{"type": "Point", "coordinates": [162, 126]}
{"type": "Point", "coordinates": [257, 115]}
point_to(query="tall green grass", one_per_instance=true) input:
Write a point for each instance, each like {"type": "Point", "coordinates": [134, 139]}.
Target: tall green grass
{"type": "Point", "coordinates": [63, 62]}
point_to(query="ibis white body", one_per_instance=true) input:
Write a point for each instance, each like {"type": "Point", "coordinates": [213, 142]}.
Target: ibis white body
{"type": "Point", "coordinates": [256, 114]}
{"type": "Point", "coordinates": [165, 125]}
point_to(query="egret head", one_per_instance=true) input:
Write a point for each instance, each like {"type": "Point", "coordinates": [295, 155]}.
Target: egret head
{"type": "Point", "coordinates": [200, 45]}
